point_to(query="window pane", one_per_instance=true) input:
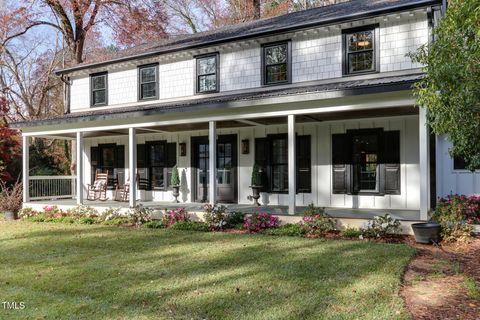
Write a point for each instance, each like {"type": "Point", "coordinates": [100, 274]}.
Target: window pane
{"type": "Point", "coordinates": [277, 54]}
{"type": "Point", "coordinates": [362, 61]}
{"type": "Point", "coordinates": [157, 154]}
{"type": "Point", "coordinates": [99, 97]}
{"type": "Point", "coordinates": [148, 90]}
{"type": "Point", "coordinates": [157, 177]}
{"type": "Point", "coordinates": [280, 177]}
{"type": "Point", "coordinates": [207, 65]}
{"type": "Point", "coordinates": [276, 73]}
{"type": "Point", "coordinates": [108, 157]}
{"type": "Point", "coordinates": [148, 74]}
{"type": "Point", "coordinates": [365, 153]}
{"type": "Point", "coordinates": [360, 41]}
{"type": "Point", "coordinates": [98, 82]}
{"type": "Point", "coordinates": [207, 83]}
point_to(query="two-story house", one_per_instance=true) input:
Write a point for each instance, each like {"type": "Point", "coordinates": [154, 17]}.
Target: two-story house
{"type": "Point", "coordinates": [320, 100]}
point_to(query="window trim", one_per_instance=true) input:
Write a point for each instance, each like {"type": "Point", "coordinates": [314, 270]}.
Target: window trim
{"type": "Point", "coordinates": [139, 82]}
{"type": "Point", "coordinates": [93, 75]}
{"type": "Point", "coordinates": [217, 72]}
{"type": "Point", "coordinates": [264, 46]}
{"type": "Point", "coordinates": [376, 49]}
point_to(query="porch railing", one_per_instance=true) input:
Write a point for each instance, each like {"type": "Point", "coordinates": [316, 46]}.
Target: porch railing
{"type": "Point", "coordinates": [52, 187]}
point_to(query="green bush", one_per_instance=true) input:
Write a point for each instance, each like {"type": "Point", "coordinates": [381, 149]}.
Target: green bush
{"type": "Point", "coordinates": [380, 226]}
{"type": "Point", "coordinates": [175, 178]}
{"type": "Point", "coordinates": [351, 233]}
{"type": "Point", "coordinates": [234, 219]}
{"type": "Point", "coordinates": [156, 224]}
{"type": "Point", "coordinates": [190, 226]}
{"type": "Point", "coordinates": [117, 221]}
{"type": "Point", "coordinates": [316, 222]}
{"type": "Point", "coordinates": [40, 217]}
{"type": "Point", "coordinates": [87, 220]}
{"type": "Point", "coordinates": [215, 216]}
{"type": "Point", "coordinates": [451, 213]}
{"type": "Point", "coordinates": [292, 230]}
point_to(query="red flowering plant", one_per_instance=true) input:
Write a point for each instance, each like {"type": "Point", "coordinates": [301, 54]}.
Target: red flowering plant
{"type": "Point", "coordinates": [259, 221]}
{"type": "Point", "coordinates": [175, 215]}
{"type": "Point", "coordinates": [460, 207]}
{"type": "Point", "coordinates": [316, 222]}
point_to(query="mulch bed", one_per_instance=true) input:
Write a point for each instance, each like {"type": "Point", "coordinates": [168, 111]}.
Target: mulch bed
{"type": "Point", "coordinates": [434, 282]}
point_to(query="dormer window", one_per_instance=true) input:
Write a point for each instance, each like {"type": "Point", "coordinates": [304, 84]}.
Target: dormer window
{"type": "Point", "coordinates": [207, 73]}
{"type": "Point", "coordinates": [276, 63]}
{"type": "Point", "coordinates": [98, 87]}
{"type": "Point", "coordinates": [360, 50]}
{"type": "Point", "coordinates": [148, 82]}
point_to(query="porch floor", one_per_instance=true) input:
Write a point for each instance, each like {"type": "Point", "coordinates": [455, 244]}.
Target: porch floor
{"type": "Point", "coordinates": [347, 213]}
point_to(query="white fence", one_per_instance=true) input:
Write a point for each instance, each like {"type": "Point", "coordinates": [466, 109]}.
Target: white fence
{"type": "Point", "coordinates": [52, 187]}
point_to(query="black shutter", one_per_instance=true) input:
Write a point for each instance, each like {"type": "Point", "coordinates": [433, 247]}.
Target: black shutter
{"type": "Point", "coordinates": [93, 162]}
{"type": "Point", "coordinates": [304, 165]}
{"type": "Point", "coordinates": [341, 163]}
{"type": "Point", "coordinates": [262, 155]}
{"type": "Point", "coordinates": [391, 162]}
{"type": "Point", "coordinates": [142, 169]}
{"type": "Point", "coordinates": [119, 173]}
{"type": "Point", "coordinates": [171, 161]}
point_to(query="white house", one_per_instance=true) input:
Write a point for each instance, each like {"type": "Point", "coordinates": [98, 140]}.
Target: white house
{"type": "Point", "coordinates": [320, 100]}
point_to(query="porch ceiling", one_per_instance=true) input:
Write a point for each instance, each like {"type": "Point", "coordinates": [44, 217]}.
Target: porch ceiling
{"type": "Point", "coordinates": [264, 121]}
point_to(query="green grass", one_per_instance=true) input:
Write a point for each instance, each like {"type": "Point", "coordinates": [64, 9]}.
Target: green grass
{"type": "Point", "coordinates": [102, 272]}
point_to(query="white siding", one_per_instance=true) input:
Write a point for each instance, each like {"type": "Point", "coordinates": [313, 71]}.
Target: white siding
{"type": "Point", "coordinates": [321, 194]}
{"type": "Point", "coordinates": [240, 68]}
{"type": "Point", "coordinates": [122, 86]}
{"type": "Point", "coordinates": [80, 94]}
{"type": "Point", "coordinates": [450, 181]}
{"type": "Point", "coordinates": [176, 79]}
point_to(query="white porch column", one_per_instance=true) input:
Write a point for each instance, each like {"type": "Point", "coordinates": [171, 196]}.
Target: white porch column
{"type": "Point", "coordinates": [292, 177]}
{"type": "Point", "coordinates": [212, 162]}
{"type": "Point", "coordinates": [132, 170]}
{"type": "Point", "coordinates": [424, 155]}
{"type": "Point", "coordinates": [79, 167]}
{"type": "Point", "coordinates": [26, 168]}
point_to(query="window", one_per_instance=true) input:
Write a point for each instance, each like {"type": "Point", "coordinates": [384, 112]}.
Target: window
{"type": "Point", "coordinates": [276, 64]}
{"type": "Point", "coordinates": [155, 160]}
{"type": "Point", "coordinates": [98, 87]}
{"type": "Point", "coordinates": [459, 163]}
{"type": "Point", "coordinates": [271, 155]}
{"type": "Point", "coordinates": [207, 73]}
{"type": "Point", "coordinates": [361, 50]}
{"type": "Point", "coordinates": [111, 158]}
{"type": "Point", "coordinates": [148, 82]}
{"type": "Point", "coordinates": [366, 161]}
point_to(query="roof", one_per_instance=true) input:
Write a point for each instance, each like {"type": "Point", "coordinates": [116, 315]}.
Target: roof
{"type": "Point", "coordinates": [346, 11]}
{"type": "Point", "coordinates": [346, 88]}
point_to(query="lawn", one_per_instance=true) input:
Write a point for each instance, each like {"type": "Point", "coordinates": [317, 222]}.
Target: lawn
{"type": "Point", "coordinates": [88, 272]}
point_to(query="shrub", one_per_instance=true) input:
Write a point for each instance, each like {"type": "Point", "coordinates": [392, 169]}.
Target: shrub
{"type": "Point", "coordinates": [110, 214]}
{"type": "Point", "coordinates": [87, 220]}
{"type": "Point", "coordinates": [139, 214]}
{"type": "Point", "coordinates": [37, 218]}
{"type": "Point", "coordinates": [175, 179]}
{"type": "Point", "coordinates": [11, 198]}
{"type": "Point", "coordinates": [351, 233]}
{"type": "Point", "coordinates": [380, 226]}
{"type": "Point", "coordinates": [83, 211]}
{"type": "Point", "coordinates": [256, 176]}
{"type": "Point", "coordinates": [259, 221]}
{"type": "Point", "coordinates": [117, 221]}
{"type": "Point", "coordinates": [156, 224]}
{"type": "Point", "coordinates": [215, 216]}
{"type": "Point", "coordinates": [175, 215]}
{"type": "Point", "coordinates": [27, 213]}
{"type": "Point", "coordinates": [190, 226]}
{"type": "Point", "coordinates": [316, 222]}
{"type": "Point", "coordinates": [235, 219]}
{"type": "Point", "coordinates": [455, 214]}
{"type": "Point", "coordinates": [292, 230]}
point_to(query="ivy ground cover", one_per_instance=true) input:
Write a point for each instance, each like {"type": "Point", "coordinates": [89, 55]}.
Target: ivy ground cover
{"type": "Point", "coordinates": [102, 272]}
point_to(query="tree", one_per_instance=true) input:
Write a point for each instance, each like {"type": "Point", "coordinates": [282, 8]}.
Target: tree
{"type": "Point", "coordinates": [450, 90]}
{"type": "Point", "coordinates": [9, 146]}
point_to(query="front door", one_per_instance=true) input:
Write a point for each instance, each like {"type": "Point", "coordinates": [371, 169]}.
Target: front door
{"type": "Point", "coordinates": [226, 168]}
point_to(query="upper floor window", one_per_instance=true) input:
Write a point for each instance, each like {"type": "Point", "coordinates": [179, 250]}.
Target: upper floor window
{"type": "Point", "coordinates": [98, 87]}
{"type": "Point", "coordinates": [148, 82]}
{"type": "Point", "coordinates": [361, 50]}
{"type": "Point", "coordinates": [276, 63]}
{"type": "Point", "coordinates": [207, 73]}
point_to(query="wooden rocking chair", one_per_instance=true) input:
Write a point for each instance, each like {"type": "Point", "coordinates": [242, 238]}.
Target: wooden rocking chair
{"type": "Point", "coordinates": [98, 191]}
{"type": "Point", "coordinates": [122, 192]}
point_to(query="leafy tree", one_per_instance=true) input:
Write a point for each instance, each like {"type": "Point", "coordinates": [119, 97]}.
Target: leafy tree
{"type": "Point", "coordinates": [450, 90]}
{"type": "Point", "coordinates": [9, 147]}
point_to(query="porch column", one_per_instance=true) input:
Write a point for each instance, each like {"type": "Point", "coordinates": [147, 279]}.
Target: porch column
{"type": "Point", "coordinates": [212, 162]}
{"type": "Point", "coordinates": [292, 177]}
{"type": "Point", "coordinates": [132, 160]}
{"type": "Point", "coordinates": [79, 167]}
{"type": "Point", "coordinates": [26, 168]}
{"type": "Point", "coordinates": [424, 155]}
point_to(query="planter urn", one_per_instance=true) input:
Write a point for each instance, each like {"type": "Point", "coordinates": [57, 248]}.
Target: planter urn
{"type": "Point", "coordinates": [176, 193]}
{"type": "Point", "coordinates": [10, 215]}
{"type": "Point", "coordinates": [426, 232]}
{"type": "Point", "coordinates": [256, 194]}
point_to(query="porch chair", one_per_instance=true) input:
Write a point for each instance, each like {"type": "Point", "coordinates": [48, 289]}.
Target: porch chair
{"type": "Point", "coordinates": [98, 190]}
{"type": "Point", "coordinates": [122, 192]}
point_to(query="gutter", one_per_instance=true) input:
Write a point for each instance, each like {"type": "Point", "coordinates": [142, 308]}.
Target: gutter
{"type": "Point", "coordinates": [347, 18]}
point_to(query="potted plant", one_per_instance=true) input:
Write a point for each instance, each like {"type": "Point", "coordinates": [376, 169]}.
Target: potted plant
{"type": "Point", "coordinates": [256, 184]}
{"type": "Point", "coordinates": [175, 182]}
{"type": "Point", "coordinates": [10, 199]}
{"type": "Point", "coordinates": [427, 232]}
